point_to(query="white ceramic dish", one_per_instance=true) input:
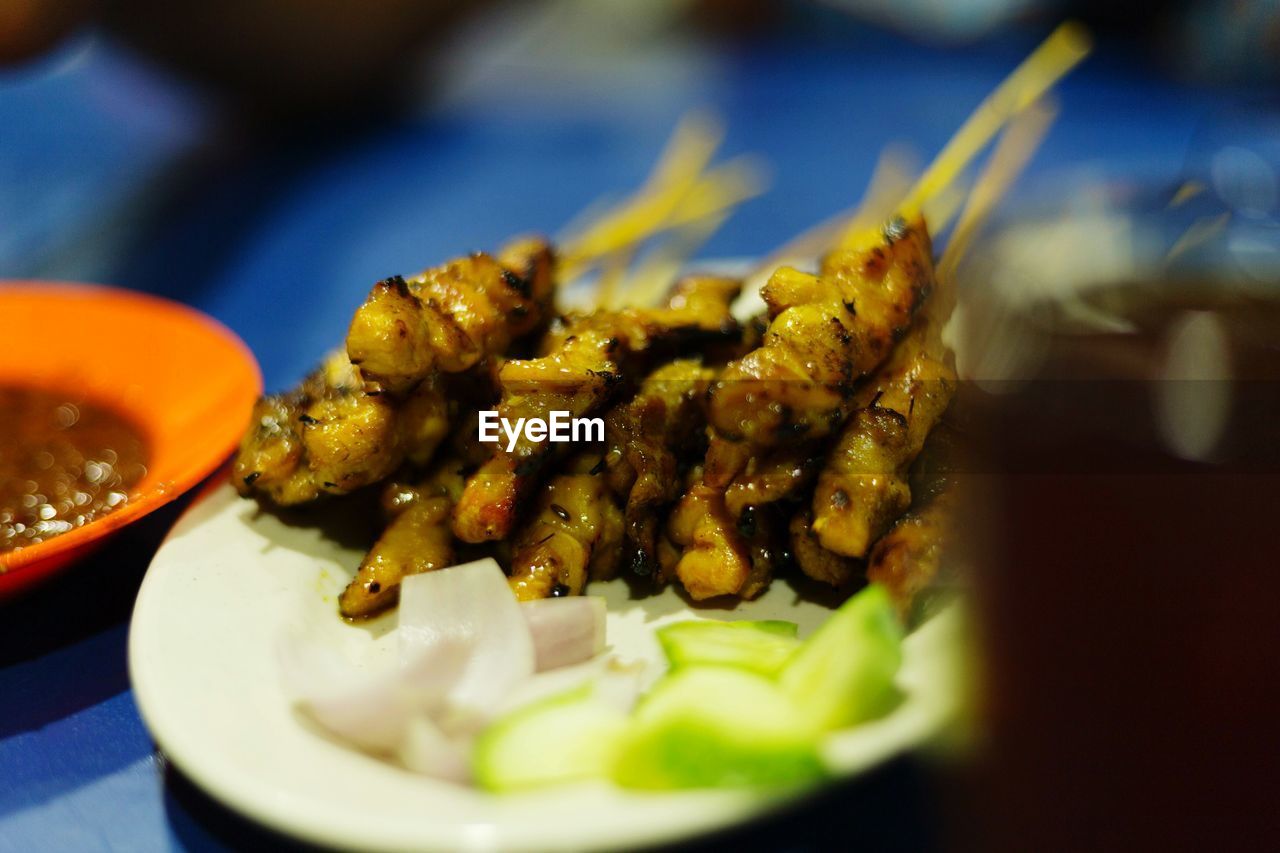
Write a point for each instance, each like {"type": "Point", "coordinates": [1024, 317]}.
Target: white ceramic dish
{"type": "Point", "coordinates": [231, 577]}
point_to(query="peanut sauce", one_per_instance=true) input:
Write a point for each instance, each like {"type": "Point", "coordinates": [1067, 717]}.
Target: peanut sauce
{"type": "Point", "coordinates": [63, 463]}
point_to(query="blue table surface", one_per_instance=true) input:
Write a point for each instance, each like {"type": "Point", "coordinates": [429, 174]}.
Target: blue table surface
{"type": "Point", "coordinates": [110, 172]}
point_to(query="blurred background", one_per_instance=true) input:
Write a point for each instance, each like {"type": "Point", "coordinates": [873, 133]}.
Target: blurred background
{"type": "Point", "coordinates": [266, 160]}
{"type": "Point", "coordinates": [228, 154]}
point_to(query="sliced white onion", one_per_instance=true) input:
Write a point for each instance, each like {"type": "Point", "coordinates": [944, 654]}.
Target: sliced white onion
{"type": "Point", "coordinates": [565, 630]}
{"type": "Point", "coordinates": [621, 684]}
{"type": "Point", "coordinates": [467, 652]}
{"type": "Point", "coordinates": [370, 708]}
{"type": "Point", "coordinates": [426, 749]}
{"type": "Point", "coordinates": [614, 682]}
{"type": "Point", "coordinates": [471, 604]}
{"type": "Point", "coordinates": [544, 685]}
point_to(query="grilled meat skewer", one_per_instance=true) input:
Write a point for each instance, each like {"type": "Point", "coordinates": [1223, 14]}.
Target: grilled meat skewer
{"type": "Point", "coordinates": [580, 374]}
{"type": "Point", "coordinates": [826, 332]}
{"type": "Point", "coordinates": [417, 539]}
{"type": "Point", "coordinates": [910, 558]}
{"type": "Point", "coordinates": [646, 440]}
{"type": "Point", "coordinates": [363, 413]}
{"type": "Point", "coordinates": [450, 318]}
{"type": "Point", "coordinates": [864, 484]}
{"type": "Point", "coordinates": [328, 437]}
{"type": "Point", "coordinates": [816, 561]}
{"type": "Point", "coordinates": [576, 534]}
{"type": "Point", "coordinates": [785, 472]}
{"type": "Point", "coordinates": [605, 509]}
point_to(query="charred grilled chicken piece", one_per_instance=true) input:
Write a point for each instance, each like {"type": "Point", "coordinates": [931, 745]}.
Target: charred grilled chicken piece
{"type": "Point", "coordinates": [695, 313]}
{"type": "Point", "coordinates": [713, 526]}
{"type": "Point", "coordinates": [918, 555]}
{"type": "Point", "coordinates": [734, 530]}
{"type": "Point", "coordinates": [826, 332]}
{"type": "Point", "coordinates": [330, 437]}
{"type": "Point", "coordinates": [417, 537]}
{"type": "Point", "coordinates": [579, 376]}
{"type": "Point", "coordinates": [816, 561]}
{"type": "Point", "coordinates": [416, 540]}
{"type": "Point", "coordinates": [864, 485]}
{"type": "Point", "coordinates": [269, 461]}
{"type": "Point", "coordinates": [763, 531]}
{"type": "Point", "coordinates": [450, 318]}
{"type": "Point", "coordinates": [714, 558]}
{"type": "Point", "coordinates": [713, 553]}
{"type": "Point", "coordinates": [645, 440]}
{"type": "Point", "coordinates": [615, 494]}
{"type": "Point", "coordinates": [909, 559]}
{"type": "Point", "coordinates": [785, 472]}
{"type": "Point", "coordinates": [339, 431]}
{"type": "Point", "coordinates": [576, 535]}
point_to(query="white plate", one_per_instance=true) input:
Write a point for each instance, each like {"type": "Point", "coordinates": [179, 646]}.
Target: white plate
{"type": "Point", "coordinates": [231, 577]}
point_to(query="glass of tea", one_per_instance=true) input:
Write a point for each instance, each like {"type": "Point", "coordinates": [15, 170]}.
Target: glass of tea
{"type": "Point", "coordinates": [1124, 358]}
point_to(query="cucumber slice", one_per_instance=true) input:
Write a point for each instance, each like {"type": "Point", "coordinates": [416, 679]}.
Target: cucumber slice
{"type": "Point", "coordinates": [843, 674]}
{"type": "Point", "coordinates": [762, 647]}
{"type": "Point", "coordinates": [564, 738]}
{"type": "Point", "coordinates": [712, 727]}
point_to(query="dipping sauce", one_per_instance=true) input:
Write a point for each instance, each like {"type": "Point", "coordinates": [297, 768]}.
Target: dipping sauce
{"type": "Point", "coordinates": [63, 463]}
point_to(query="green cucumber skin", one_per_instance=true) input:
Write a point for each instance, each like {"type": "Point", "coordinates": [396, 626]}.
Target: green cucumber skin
{"type": "Point", "coordinates": [717, 727]}
{"type": "Point", "coordinates": [563, 738]}
{"type": "Point", "coordinates": [690, 753]}
{"type": "Point", "coordinates": [781, 627]}
{"type": "Point", "coordinates": [844, 673]}
{"type": "Point", "coordinates": [745, 705]}
{"type": "Point", "coordinates": [763, 647]}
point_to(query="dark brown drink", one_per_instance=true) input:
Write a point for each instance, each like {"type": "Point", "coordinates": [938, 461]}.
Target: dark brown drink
{"type": "Point", "coordinates": [1130, 597]}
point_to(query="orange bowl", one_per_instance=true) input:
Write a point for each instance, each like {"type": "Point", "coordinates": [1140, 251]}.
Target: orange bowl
{"type": "Point", "coordinates": [186, 381]}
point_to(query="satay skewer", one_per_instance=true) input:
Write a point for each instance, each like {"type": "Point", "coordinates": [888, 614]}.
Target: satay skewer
{"type": "Point", "coordinates": [352, 424]}
{"type": "Point", "coordinates": [829, 330]}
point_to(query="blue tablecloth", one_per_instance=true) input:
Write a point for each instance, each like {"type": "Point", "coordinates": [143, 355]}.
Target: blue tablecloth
{"type": "Point", "coordinates": [110, 173]}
